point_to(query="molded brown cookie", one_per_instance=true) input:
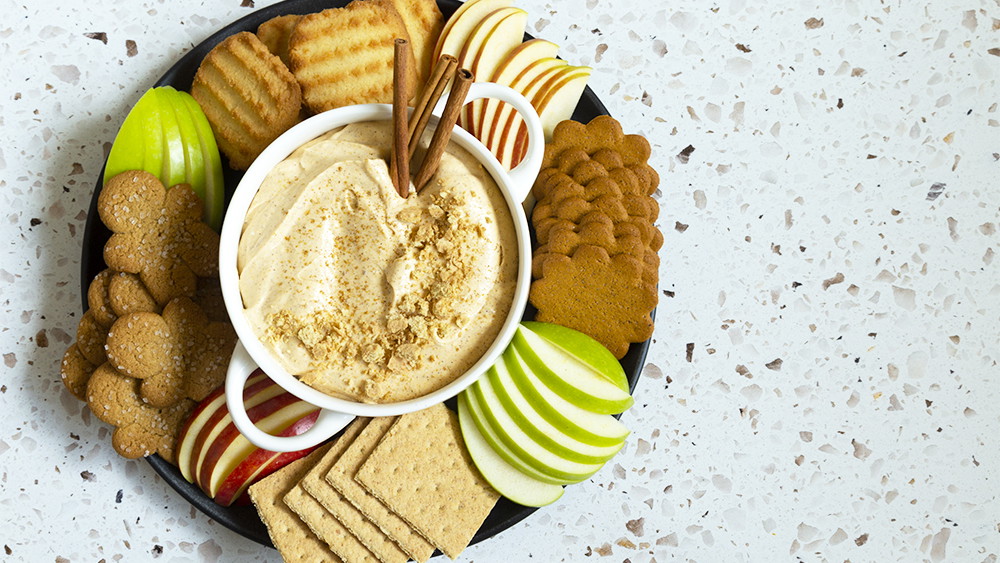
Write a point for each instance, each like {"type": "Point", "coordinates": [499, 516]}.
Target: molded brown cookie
{"type": "Point", "coordinates": [158, 234]}
{"type": "Point", "coordinates": [603, 132]}
{"type": "Point", "coordinates": [600, 295]}
{"type": "Point", "coordinates": [140, 429]}
{"type": "Point", "coordinates": [175, 355]}
{"type": "Point", "coordinates": [248, 95]}
{"type": "Point", "coordinates": [565, 240]}
{"type": "Point", "coordinates": [574, 208]}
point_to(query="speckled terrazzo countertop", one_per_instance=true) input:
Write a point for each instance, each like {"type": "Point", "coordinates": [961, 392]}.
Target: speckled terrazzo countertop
{"type": "Point", "coordinates": [823, 383]}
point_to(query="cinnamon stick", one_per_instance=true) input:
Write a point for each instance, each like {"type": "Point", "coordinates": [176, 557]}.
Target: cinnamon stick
{"type": "Point", "coordinates": [443, 71]}
{"type": "Point", "coordinates": [456, 99]}
{"type": "Point", "coordinates": [399, 161]}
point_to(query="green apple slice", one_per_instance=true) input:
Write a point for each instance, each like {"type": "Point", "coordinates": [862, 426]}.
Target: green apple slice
{"type": "Point", "coordinates": [491, 437]}
{"type": "Point", "coordinates": [571, 378]}
{"type": "Point", "coordinates": [194, 158]}
{"type": "Point", "coordinates": [214, 194]}
{"type": "Point", "coordinates": [586, 426]}
{"type": "Point", "coordinates": [584, 348]}
{"type": "Point", "coordinates": [174, 156]}
{"type": "Point", "coordinates": [139, 143]}
{"type": "Point", "coordinates": [502, 476]}
{"type": "Point", "coordinates": [529, 451]}
{"type": "Point", "coordinates": [499, 382]}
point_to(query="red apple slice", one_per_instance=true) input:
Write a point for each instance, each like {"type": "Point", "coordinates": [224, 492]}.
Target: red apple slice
{"type": "Point", "coordinates": [198, 418]}
{"type": "Point", "coordinates": [529, 81]}
{"type": "Point", "coordinates": [220, 420]}
{"type": "Point", "coordinates": [489, 43]}
{"type": "Point", "coordinates": [458, 27]}
{"type": "Point", "coordinates": [501, 141]}
{"type": "Point", "coordinates": [553, 105]}
{"type": "Point", "coordinates": [508, 70]}
{"type": "Point", "coordinates": [230, 447]}
{"type": "Point", "coordinates": [261, 463]}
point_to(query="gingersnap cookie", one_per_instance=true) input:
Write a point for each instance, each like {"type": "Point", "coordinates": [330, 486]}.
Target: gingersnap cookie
{"type": "Point", "coordinates": [107, 299]}
{"type": "Point", "coordinates": [603, 296]}
{"type": "Point", "coordinates": [140, 429]}
{"type": "Point", "coordinates": [177, 354]}
{"type": "Point", "coordinates": [158, 234]}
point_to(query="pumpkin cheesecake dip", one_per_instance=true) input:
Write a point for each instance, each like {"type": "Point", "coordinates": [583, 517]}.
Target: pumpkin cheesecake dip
{"type": "Point", "coordinates": [363, 294]}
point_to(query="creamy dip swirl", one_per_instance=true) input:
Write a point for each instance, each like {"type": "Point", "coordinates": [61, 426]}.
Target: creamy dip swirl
{"type": "Point", "coordinates": [363, 294]}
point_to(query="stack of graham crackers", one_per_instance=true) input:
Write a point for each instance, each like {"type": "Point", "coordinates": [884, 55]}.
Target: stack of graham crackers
{"type": "Point", "coordinates": [388, 489]}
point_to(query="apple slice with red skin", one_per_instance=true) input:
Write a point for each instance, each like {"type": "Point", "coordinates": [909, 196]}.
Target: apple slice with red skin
{"type": "Point", "coordinates": [460, 25]}
{"type": "Point", "coordinates": [220, 418]}
{"type": "Point", "coordinates": [554, 105]}
{"type": "Point", "coordinates": [230, 447]}
{"type": "Point", "coordinates": [504, 136]}
{"type": "Point", "coordinates": [510, 69]}
{"type": "Point", "coordinates": [261, 463]}
{"type": "Point", "coordinates": [531, 79]}
{"type": "Point", "coordinates": [207, 409]}
{"type": "Point", "coordinates": [491, 40]}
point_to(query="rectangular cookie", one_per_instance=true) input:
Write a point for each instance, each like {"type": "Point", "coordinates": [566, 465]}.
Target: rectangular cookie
{"type": "Point", "coordinates": [341, 477]}
{"type": "Point", "coordinates": [328, 528]}
{"type": "Point", "coordinates": [422, 472]}
{"type": "Point", "coordinates": [293, 539]}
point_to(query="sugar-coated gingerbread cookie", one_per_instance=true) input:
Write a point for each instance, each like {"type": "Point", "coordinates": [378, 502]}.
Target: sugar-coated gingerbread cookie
{"type": "Point", "coordinates": [177, 354]}
{"type": "Point", "coordinates": [140, 429]}
{"type": "Point", "coordinates": [158, 234]}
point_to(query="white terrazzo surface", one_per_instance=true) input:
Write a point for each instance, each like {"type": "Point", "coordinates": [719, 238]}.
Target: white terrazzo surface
{"type": "Point", "coordinates": [823, 384]}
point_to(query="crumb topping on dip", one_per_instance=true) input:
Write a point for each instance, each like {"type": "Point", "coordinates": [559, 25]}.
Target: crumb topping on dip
{"type": "Point", "coordinates": [366, 295]}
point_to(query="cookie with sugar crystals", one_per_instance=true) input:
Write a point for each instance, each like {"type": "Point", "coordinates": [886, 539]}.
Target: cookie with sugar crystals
{"type": "Point", "coordinates": [140, 429]}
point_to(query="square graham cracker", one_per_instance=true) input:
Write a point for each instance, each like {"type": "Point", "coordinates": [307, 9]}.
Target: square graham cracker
{"type": "Point", "coordinates": [293, 539]}
{"type": "Point", "coordinates": [341, 477]}
{"type": "Point", "coordinates": [326, 526]}
{"type": "Point", "coordinates": [333, 517]}
{"type": "Point", "coordinates": [422, 472]}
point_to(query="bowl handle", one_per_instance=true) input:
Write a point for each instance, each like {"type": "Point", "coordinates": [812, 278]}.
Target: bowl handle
{"type": "Point", "coordinates": [523, 175]}
{"type": "Point", "coordinates": [241, 366]}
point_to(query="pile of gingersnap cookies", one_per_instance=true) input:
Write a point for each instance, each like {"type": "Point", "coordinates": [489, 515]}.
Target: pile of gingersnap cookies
{"type": "Point", "coordinates": [156, 338]}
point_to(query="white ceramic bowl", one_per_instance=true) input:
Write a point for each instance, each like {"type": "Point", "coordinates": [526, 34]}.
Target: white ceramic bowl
{"type": "Point", "coordinates": [251, 353]}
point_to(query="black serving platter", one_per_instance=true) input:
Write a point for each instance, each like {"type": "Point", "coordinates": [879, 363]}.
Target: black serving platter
{"type": "Point", "coordinates": [243, 519]}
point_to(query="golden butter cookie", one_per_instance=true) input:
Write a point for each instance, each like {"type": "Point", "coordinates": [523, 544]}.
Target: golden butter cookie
{"type": "Point", "coordinates": [177, 354]}
{"type": "Point", "coordinates": [423, 22]}
{"type": "Point", "coordinates": [140, 429]}
{"type": "Point", "coordinates": [158, 234]}
{"type": "Point", "coordinates": [344, 56]}
{"type": "Point", "coordinates": [275, 33]}
{"type": "Point", "coordinates": [248, 95]}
